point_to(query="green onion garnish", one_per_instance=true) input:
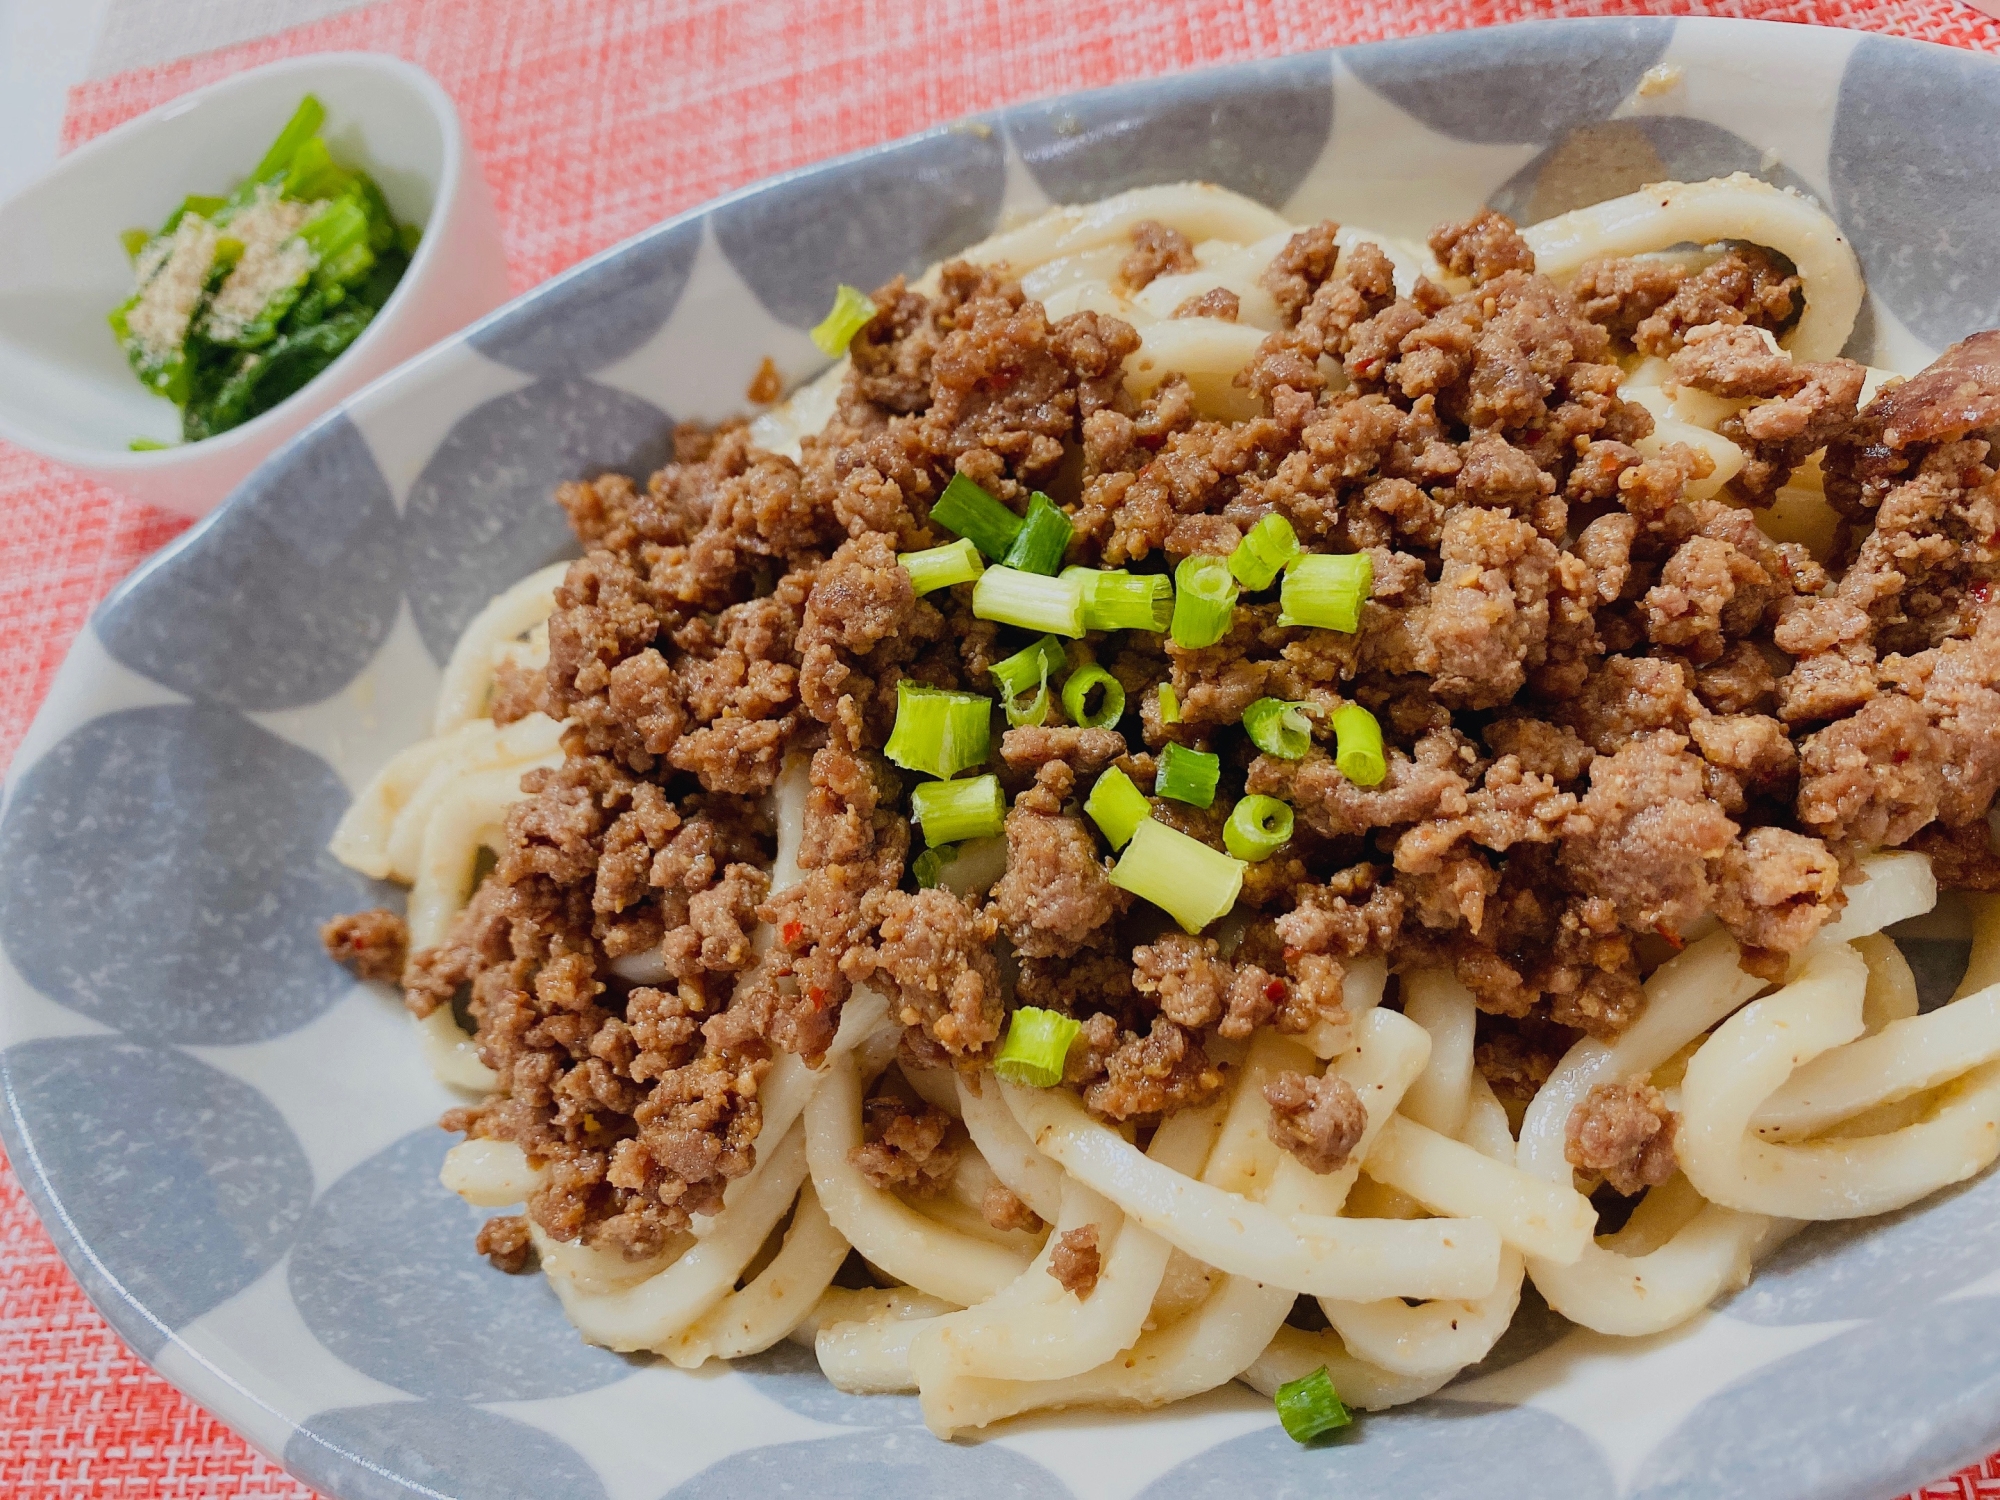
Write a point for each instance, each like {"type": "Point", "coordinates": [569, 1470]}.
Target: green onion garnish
{"type": "Point", "coordinates": [1326, 589]}
{"type": "Point", "coordinates": [1029, 600]}
{"type": "Point", "coordinates": [1204, 596]}
{"type": "Point", "coordinates": [1036, 1046]}
{"type": "Point", "coordinates": [1027, 672]}
{"type": "Point", "coordinates": [940, 567]}
{"type": "Point", "coordinates": [1186, 879]}
{"type": "Point", "coordinates": [1188, 775]}
{"type": "Point", "coordinates": [928, 865]}
{"type": "Point", "coordinates": [1043, 538]}
{"type": "Point", "coordinates": [853, 310]}
{"type": "Point", "coordinates": [968, 510]}
{"type": "Point", "coordinates": [1309, 1406]}
{"type": "Point", "coordinates": [1264, 550]}
{"type": "Point", "coordinates": [953, 810]}
{"type": "Point", "coordinates": [135, 240]}
{"type": "Point", "coordinates": [1258, 827]}
{"type": "Point", "coordinates": [939, 732]}
{"type": "Point", "coordinates": [1170, 704]}
{"type": "Point", "coordinates": [1076, 693]}
{"type": "Point", "coordinates": [1359, 740]}
{"type": "Point", "coordinates": [1117, 807]}
{"type": "Point", "coordinates": [146, 445]}
{"type": "Point", "coordinates": [1116, 600]}
{"type": "Point", "coordinates": [1278, 728]}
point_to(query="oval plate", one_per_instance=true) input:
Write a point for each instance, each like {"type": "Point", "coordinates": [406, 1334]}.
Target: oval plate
{"type": "Point", "coordinates": [234, 1146]}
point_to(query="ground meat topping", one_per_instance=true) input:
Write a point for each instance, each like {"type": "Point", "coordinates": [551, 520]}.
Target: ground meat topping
{"type": "Point", "coordinates": [1625, 1132]}
{"type": "Point", "coordinates": [1075, 1261]}
{"type": "Point", "coordinates": [507, 1243]}
{"type": "Point", "coordinates": [905, 1147]}
{"type": "Point", "coordinates": [1319, 1120]}
{"type": "Point", "coordinates": [1609, 710]}
{"type": "Point", "coordinates": [1153, 1075]}
{"type": "Point", "coordinates": [373, 943]}
{"type": "Point", "coordinates": [1002, 1208]}
{"type": "Point", "coordinates": [1157, 250]}
{"type": "Point", "coordinates": [1055, 893]}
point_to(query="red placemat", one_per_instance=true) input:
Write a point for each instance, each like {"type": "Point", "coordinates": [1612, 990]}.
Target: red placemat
{"type": "Point", "coordinates": [593, 121]}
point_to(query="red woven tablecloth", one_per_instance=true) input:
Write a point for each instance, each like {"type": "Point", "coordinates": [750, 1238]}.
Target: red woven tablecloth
{"type": "Point", "coordinates": [594, 120]}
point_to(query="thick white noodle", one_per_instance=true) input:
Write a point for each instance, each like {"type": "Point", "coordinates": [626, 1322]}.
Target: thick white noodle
{"type": "Point", "coordinates": [906, 1244]}
{"type": "Point", "coordinates": [1436, 1001]}
{"type": "Point", "coordinates": [1029, 1175]}
{"type": "Point", "coordinates": [453, 1055]}
{"type": "Point", "coordinates": [1036, 1330]}
{"type": "Point", "coordinates": [490, 1174]}
{"type": "Point", "coordinates": [1737, 207]}
{"type": "Point", "coordinates": [468, 676]}
{"type": "Point", "coordinates": [1356, 1259]}
{"type": "Point", "coordinates": [1894, 886]}
{"type": "Point", "coordinates": [381, 833]}
{"type": "Point", "coordinates": [1360, 992]}
{"type": "Point", "coordinates": [1199, 210]}
{"type": "Point", "coordinates": [1245, 1158]}
{"type": "Point", "coordinates": [650, 1314]}
{"type": "Point", "coordinates": [760, 1314]}
{"type": "Point", "coordinates": [839, 1304]}
{"type": "Point", "coordinates": [1753, 1053]}
{"type": "Point", "coordinates": [1605, 1289]}
{"type": "Point", "coordinates": [1435, 1340]}
{"type": "Point", "coordinates": [1905, 1057]}
{"type": "Point", "coordinates": [1208, 353]}
{"type": "Point", "coordinates": [1537, 1217]}
{"type": "Point", "coordinates": [1892, 985]}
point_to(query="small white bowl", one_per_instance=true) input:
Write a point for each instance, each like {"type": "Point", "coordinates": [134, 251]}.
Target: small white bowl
{"type": "Point", "coordinates": [65, 388]}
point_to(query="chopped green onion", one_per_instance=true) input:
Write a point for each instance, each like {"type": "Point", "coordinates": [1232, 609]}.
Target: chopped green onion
{"type": "Point", "coordinates": [1186, 879]}
{"type": "Point", "coordinates": [953, 810]}
{"type": "Point", "coordinates": [939, 732]}
{"type": "Point", "coordinates": [1278, 728]}
{"type": "Point", "coordinates": [135, 240]}
{"type": "Point", "coordinates": [1028, 670]}
{"type": "Point", "coordinates": [1170, 704]}
{"type": "Point", "coordinates": [1117, 807]}
{"type": "Point", "coordinates": [1029, 600]}
{"type": "Point", "coordinates": [930, 864]}
{"type": "Point", "coordinates": [146, 445]}
{"type": "Point", "coordinates": [853, 310]}
{"type": "Point", "coordinates": [1358, 738]}
{"type": "Point", "coordinates": [1264, 550]}
{"type": "Point", "coordinates": [941, 567]}
{"type": "Point", "coordinates": [1326, 589]}
{"type": "Point", "coordinates": [1188, 775]}
{"type": "Point", "coordinates": [1076, 693]}
{"type": "Point", "coordinates": [1308, 1406]}
{"type": "Point", "coordinates": [1258, 827]}
{"type": "Point", "coordinates": [1037, 1045]}
{"type": "Point", "coordinates": [968, 510]}
{"type": "Point", "coordinates": [1043, 538]}
{"type": "Point", "coordinates": [1117, 600]}
{"type": "Point", "coordinates": [1204, 596]}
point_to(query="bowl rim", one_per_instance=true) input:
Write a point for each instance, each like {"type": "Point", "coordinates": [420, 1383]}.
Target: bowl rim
{"type": "Point", "coordinates": [445, 189]}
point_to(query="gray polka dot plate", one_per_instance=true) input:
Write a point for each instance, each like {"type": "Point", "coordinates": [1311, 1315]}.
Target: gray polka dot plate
{"type": "Point", "coordinates": [234, 1146]}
